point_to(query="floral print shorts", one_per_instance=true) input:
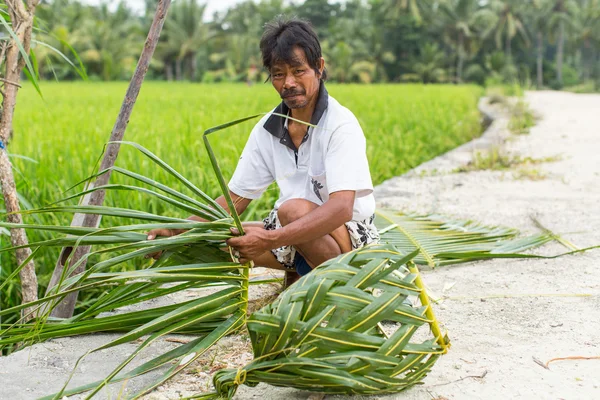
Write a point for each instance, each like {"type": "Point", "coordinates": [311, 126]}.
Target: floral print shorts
{"type": "Point", "coordinates": [361, 233]}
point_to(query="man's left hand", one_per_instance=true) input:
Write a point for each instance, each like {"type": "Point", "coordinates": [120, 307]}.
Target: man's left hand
{"type": "Point", "coordinates": [253, 244]}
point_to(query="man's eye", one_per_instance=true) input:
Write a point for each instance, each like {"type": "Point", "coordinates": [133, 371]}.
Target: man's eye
{"type": "Point", "coordinates": [277, 75]}
{"type": "Point", "coordinates": [299, 71]}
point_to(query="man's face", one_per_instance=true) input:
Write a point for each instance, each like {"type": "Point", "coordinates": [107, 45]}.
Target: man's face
{"type": "Point", "coordinates": [296, 83]}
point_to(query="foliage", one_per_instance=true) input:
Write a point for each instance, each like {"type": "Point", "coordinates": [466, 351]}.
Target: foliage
{"type": "Point", "coordinates": [429, 67]}
{"type": "Point", "coordinates": [363, 40]}
{"type": "Point", "coordinates": [475, 73]}
{"type": "Point", "coordinates": [521, 118]}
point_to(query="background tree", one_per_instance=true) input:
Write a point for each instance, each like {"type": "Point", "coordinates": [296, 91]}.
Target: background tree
{"type": "Point", "coordinates": [462, 21]}
{"type": "Point", "coordinates": [110, 42]}
{"type": "Point", "coordinates": [363, 40]}
{"type": "Point", "coordinates": [539, 17]}
{"type": "Point", "coordinates": [14, 57]}
{"type": "Point", "coordinates": [558, 22]}
{"type": "Point", "coordinates": [509, 24]}
{"type": "Point", "coordinates": [585, 24]}
{"type": "Point", "coordinates": [185, 33]}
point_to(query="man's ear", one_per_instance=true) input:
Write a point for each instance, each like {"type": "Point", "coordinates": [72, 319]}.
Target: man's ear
{"type": "Point", "coordinates": [321, 66]}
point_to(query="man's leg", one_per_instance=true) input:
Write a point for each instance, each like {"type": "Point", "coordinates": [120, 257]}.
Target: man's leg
{"type": "Point", "coordinates": [321, 249]}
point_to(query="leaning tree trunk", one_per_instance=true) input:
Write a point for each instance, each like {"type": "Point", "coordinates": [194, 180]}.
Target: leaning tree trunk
{"type": "Point", "coordinates": [21, 15]}
{"type": "Point", "coordinates": [560, 51]}
{"type": "Point", "coordinates": [461, 57]}
{"type": "Point", "coordinates": [540, 60]}
{"type": "Point", "coordinates": [66, 307]}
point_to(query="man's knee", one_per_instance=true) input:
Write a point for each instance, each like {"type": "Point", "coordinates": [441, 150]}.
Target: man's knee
{"type": "Point", "coordinates": [294, 209]}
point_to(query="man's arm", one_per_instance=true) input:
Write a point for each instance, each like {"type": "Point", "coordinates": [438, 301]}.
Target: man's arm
{"type": "Point", "coordinates": [321, 221]}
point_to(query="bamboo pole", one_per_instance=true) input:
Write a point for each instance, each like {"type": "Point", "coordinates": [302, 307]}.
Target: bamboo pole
{"type": "Point", "coordinates": [66, 307]}
{"type": "Point", "coordinates": [21, 15]}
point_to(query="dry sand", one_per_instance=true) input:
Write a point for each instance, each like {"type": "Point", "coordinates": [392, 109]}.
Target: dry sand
{"type": "Point", "coordinates": [500, 314]}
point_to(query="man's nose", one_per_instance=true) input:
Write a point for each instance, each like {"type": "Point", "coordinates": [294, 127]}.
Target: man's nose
{"type": "Point", "coordinates": [290, 81]}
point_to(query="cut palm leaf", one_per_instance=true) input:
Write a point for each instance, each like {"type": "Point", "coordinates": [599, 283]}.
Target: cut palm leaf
{"type": "Point", "coordinates": [443, 241]}
{"type": "Point", "coordinates": [192, 260]}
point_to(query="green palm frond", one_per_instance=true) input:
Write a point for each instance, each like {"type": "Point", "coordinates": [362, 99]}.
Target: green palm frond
{"type": "Point", "coordinates": [195, 259]}
{"type": "Point", "coordinates": [443, 241]}
{"type": "Point", "coordinates": [324, 333]}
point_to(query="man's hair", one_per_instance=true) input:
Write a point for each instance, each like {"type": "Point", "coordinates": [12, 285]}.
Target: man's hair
{"type": "Point", "coordinates": [281, 36]}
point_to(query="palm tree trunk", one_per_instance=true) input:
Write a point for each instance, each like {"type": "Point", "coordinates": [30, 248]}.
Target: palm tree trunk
{"type": "Point", "coordinates": [508, 48]}
{"type": "Point", "coordinates": [461, 56]}
{"type": "Point", "coordinates": [540, 60]}
{"type": "Point", "coordinates": [169, 70]}
{"type": "Point", "coordinates": [587, 65]}
{"type": "Point", "coordinates": [22, 22]}
{"type": "Point", "coordinates": [178, 69]}
{"type": "Point", "coordinates": [193, 66]}
{"type": "Point", "coordinates": [559, 52]}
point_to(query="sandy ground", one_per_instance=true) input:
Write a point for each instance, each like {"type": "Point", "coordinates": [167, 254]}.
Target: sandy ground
{"type": "Point", "coordinates": [500, 314]}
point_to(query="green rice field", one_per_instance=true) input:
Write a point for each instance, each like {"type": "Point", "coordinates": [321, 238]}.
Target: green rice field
{"type": "Point", "coordinates": [65, 132]}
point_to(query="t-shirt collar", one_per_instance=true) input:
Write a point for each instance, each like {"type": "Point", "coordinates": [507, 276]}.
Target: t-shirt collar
{"type": "Point", "coordinates": [275, 124]}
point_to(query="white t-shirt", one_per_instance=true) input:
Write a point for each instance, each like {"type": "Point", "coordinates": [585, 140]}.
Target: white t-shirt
{"type": "Point", "coordinates": [331, 158]}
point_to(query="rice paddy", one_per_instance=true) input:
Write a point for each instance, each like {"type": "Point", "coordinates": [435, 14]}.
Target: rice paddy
{"type": "Point", "coordinates": [65, 131]}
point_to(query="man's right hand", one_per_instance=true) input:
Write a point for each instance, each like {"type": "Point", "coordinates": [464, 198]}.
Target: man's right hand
{"type": "Point", "coordinates": [161, 232]}
{"type": "Point", "coordinates": [153, 234]}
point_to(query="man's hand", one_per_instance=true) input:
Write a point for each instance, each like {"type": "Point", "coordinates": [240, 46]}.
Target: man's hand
{"type": "Point", "coordinates": [253, 244]}
{"type": "Point", "coordinates": [161, 232]}
{"type": "Point", "coordinates": [154, 233]}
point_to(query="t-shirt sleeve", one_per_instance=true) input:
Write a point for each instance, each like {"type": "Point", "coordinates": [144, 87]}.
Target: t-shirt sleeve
{"type": "Point", "coordinates": [346, 161]}
{"type": "Point", "coordinates": [252, 175]}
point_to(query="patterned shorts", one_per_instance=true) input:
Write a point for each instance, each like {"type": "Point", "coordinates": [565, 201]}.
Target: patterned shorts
{"type": "Point", "coordinates": [361, 233]}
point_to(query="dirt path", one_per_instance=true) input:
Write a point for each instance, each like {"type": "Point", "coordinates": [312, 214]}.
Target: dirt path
{"type": "Point", "coordinates": [499, 314]}
{"type": "Point", "coordinates": [501, 335]}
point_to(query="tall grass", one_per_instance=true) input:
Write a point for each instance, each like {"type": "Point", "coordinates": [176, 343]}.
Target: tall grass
{"type": "Point", "coordinates": [405, 125]}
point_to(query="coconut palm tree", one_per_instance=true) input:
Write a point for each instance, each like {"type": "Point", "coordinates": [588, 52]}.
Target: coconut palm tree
{"type": "Point", "coordinates": [57, 26]}
{"type": "Point", "coordinates": [585, 27]}
{"type": "Point", "coordinates": [185, 32]}
{"type": "Point", "coordinates": [463, 21]}
{"type": "Point", "coordinates": [416, 8]}
{"type": "Point", "coordinates": [429, 67]}
{"type": "Point", "coordinates": [109, 42]}
{"type": "Point", "coordinates": [561, 12]}
{"type": "Point", "coordinates": [538, 18]}
{"type": "Point", "coordinates": [509, 24]}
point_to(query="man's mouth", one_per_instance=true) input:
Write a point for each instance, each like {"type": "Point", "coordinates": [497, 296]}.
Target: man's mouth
{"type": "Point", "coordinates": [291, 95]}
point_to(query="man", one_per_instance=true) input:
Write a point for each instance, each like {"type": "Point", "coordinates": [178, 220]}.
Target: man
{"type": "Point", "coordinates": [326, 206]}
